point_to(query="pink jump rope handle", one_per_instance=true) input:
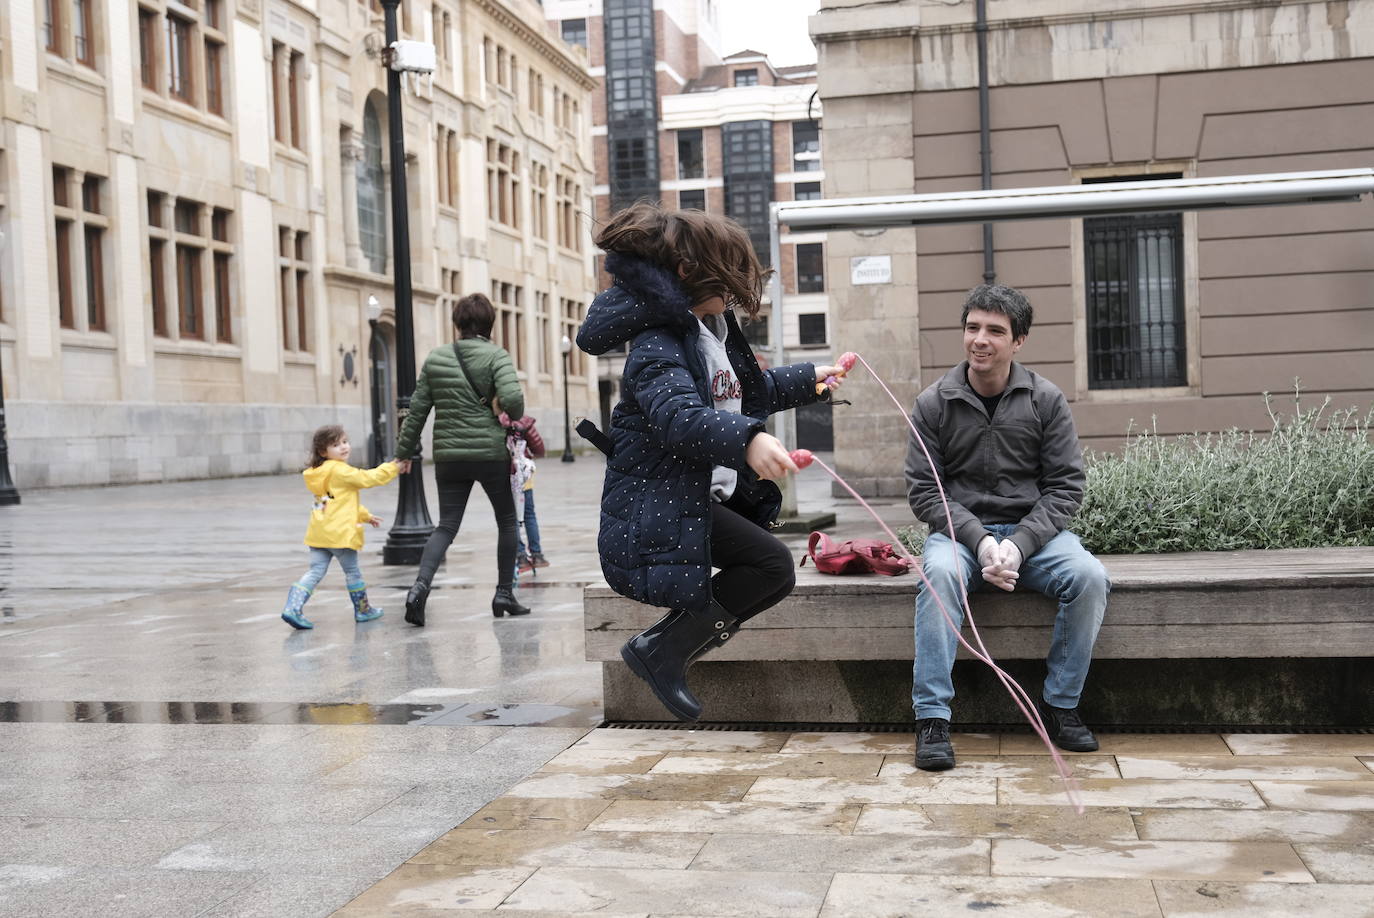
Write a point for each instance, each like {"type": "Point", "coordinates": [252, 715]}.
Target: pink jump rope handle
{"type": "Point", "coordinates": [845, 364]}
{"type": "Point", "coordinates": [801, 458]}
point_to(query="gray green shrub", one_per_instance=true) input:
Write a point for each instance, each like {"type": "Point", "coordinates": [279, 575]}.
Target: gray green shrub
{"type": "Point", "coordinates": [1308, 482]}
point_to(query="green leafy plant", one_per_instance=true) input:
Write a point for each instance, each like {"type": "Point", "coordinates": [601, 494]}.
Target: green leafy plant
{"type": "Point", "coordinates": [1306, 483]}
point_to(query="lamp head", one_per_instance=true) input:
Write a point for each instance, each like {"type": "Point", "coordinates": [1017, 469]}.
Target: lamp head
{"type": "Point", "coordinates": [374, 309]}
{"type": "Point", "coordinates": [565, 345]}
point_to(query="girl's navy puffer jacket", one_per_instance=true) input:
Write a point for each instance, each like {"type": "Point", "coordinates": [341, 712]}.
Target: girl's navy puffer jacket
{"type": "Point", "coordinates": [655, 507]}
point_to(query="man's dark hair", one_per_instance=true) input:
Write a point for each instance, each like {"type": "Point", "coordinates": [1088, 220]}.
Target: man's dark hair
{"type": "Point", "coordinates": [474, 316]}
{"type": "Point", "coordinates": [1008, 301]}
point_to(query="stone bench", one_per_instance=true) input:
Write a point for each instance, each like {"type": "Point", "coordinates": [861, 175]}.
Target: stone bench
{"type": "Point", "coordinates": [1239, 638]}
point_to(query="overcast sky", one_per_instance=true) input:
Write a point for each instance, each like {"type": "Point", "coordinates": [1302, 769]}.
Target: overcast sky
{"type": "Point", "coordinates": [776, 27]}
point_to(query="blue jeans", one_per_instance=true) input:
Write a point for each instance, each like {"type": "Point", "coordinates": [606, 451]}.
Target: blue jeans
{"type": "Point", "coordinates": [319, 563]}
{"type": "Point", "coordinates": [1062, 570]}
{"type": "Point", "coordinates": [531, 527]}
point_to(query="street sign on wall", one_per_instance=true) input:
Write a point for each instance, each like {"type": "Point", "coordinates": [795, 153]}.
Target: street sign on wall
{"type": "Point", "coordinates": [870, 269]}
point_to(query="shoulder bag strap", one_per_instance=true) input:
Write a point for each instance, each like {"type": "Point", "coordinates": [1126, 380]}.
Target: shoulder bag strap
{"type": "Point", "coordinates": [484, 399]}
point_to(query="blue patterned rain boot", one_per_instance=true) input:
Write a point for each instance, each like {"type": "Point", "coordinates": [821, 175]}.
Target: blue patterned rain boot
{"type": "Point", "coordinates": [363, 611]}
{"type": "Point", "coordinates": [293, 614]}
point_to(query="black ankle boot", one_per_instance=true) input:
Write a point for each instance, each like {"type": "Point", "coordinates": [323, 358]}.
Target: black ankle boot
{"type": "Point", "coordinates": [415, 604]}
{"type": "Point", "coordinates": [505, 603]}
{"type": "Point", "coordinates": [1067, 729]}
{"type": "Point", "coordinates": [661, 654]}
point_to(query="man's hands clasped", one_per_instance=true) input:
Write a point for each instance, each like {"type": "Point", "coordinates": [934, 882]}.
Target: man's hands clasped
{"type": "Point", "coordinates": [1000, 561]}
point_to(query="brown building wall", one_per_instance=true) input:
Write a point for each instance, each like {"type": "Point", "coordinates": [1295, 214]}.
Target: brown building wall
{"type": "Point", "coordinates": [1280, 293]}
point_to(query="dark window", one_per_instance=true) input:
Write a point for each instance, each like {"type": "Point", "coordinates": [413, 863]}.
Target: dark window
{"type": "Point", "coordinates": [1135, 314]}
{"type": "Point", "coordinates": [810, 268]}
{"type": "Point", "coordinates": [84, 39]}
{"type": "Point", "coordinates": [52, 26]}
{"type": "Point", "coordinates": [631, 101]}
{"type": "Point", "coordinates": [748, 167]}
{"type": "Point", "coordinates": [155, 204]}
{"type": "Point", "coordinates": [692, 200]}
{"type": "Point", "coordinates": [66, 316]}
{"type": "Point", "coordinates": [156, 248]}
{"type": "Point", "coordinates": [90, 194]}
{"type": "Point", "coordinates": [806, 191]}
{"type": "Point", "coordinates": [214, 14]}
{"type": "Point", "coordinates": [223, 328]}
{"type": "Point", "coordinates": [214, 78]}
{"type": "Point", "coordinates": [95, 278]}
{"type": "Point", "coordinates": [372, 193]}
{"type": "Point", "coordinates": [147, 47]}
{"type": "Point", "coordinates": [188, 217]}
{"type": "Point", "coordinates": [756, 332]}
{"type": "Point", "coordinates": [188, 291]}
{"type": "Point", "coordinates": [747, 77]}
{"type": "Point", "coordinates": [690, 159]}
{"type": "Point", "coordinates": [179, 59]}
{"type": "Point", "coordinates": [295, 75]}
{"type": "Point", "coordinates": [806, 146]}
{"type": "Point", "coordinates": [575, 31]}
{"type": "Point", "coordinates": [219, 225]}
{"type": "Point", "coordinates": [60, 177]}
{"type": "Point", "coordinates": [811, 328]}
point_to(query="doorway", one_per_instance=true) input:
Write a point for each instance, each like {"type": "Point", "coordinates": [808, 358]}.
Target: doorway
{"type": "Point", "coordinates": [381, 442]}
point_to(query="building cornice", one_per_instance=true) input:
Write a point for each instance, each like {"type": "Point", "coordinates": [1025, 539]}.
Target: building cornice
{"type": "Point", "coordinates": [553, 51]}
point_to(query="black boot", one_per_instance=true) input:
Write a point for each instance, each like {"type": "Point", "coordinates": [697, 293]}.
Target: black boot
{"type": "Point", "coordinates": [505, 603]}
{"type": "Point", "coordinates": [661, 654]}
{"type": "Point", "coordinates": [934, 751]}
{"type": "Point", "coordinates": [415, 603]}
{"type": "Point", "coordinates": [1067, 729]}
{"type": "Point", "coordinates": [717, 639]}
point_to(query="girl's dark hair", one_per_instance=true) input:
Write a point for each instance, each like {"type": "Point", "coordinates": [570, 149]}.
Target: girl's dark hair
{"type": "Point", "coordinates": [474, 315]}
{"type": "Point", "coordinates": [324, 438]}
{"type": "Point", "coordinates": [710, 255]}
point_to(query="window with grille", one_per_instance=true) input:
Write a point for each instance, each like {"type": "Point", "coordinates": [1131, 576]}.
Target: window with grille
{"type": "Point", "coordinates": [80, 219]}
{"type": "Point", "coordinates": [810, 268]}
{"type": "Point", "coordinates": [811, 329]}
{"type": "Point", "coordinates": [747, 77]}
{"type": "Point", "coordinates": [692, 200]}
{"type": "Point", "coordinates": [806, 146]}
{"type": "Point", "coordinates": [806, 191]}
{"type": "Point", "coordinates": [183, 51]}
{"type": "Point", "coordinates": [293, 265]}
{"type": "Point", "coordinates": [1135, 314]}
{"type": "Point", "coordinates": [631, 101]}
{"type": "Point", "coordinates": [748, 167]}
{"type": "Point", "coordinates": [575, 31]}
{"type": "Point", "coordinates": [691, 162]}
{"type": "Point", "coordinates": [372, 193]}
{"type": "Point", "coordinates": [756, 332]}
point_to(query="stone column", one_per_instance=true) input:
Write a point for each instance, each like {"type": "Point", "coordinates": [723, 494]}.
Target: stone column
{"type": "Point", "coordinates": [350, 155]}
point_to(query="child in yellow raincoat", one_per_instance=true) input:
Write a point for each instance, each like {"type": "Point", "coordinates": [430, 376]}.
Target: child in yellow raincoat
{"type": "Point", "coordinates": [336, 522]}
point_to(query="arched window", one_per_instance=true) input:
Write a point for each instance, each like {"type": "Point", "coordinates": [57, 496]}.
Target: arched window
{"type": "Point", "coordinates": [372, 193]}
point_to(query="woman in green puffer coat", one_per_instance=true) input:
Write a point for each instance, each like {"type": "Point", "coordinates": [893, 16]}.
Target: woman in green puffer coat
{"type": "Point", "coordinates": [469, 444]}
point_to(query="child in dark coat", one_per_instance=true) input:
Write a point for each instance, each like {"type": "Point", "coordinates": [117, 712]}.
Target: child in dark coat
{"type": "Point", "coordinates": [689, 478]}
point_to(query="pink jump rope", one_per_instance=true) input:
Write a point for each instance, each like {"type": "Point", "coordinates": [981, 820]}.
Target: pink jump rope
{"type": "Point", "coordinates": [802, 458]}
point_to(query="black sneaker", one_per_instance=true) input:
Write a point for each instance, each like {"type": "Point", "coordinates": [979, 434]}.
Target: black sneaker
{"type": "Point", "coordinates": [1066, 728]}
{"type": "Point", "coordinates": [934, 752]}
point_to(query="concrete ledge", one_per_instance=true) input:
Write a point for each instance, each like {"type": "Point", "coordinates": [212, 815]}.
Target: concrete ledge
{"type": "Point", "coordinates": [814, 657]}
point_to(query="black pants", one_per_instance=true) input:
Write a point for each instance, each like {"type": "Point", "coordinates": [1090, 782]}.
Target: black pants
{"type": "Point", "coordinates": [455, 480]}
{"type": "Point", "coordinates": [756, 570]}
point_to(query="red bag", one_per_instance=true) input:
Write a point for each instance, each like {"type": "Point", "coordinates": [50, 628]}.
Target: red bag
{"type": "Point", "coordinates": [857, 556]}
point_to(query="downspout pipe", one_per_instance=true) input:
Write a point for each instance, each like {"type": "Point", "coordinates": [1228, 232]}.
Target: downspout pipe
{"type": "Point", "coordinates": [980, 29]}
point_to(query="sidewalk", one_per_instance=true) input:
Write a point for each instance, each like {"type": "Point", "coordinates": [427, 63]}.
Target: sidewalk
{"type": "Point", "coordinates": [168, 747]}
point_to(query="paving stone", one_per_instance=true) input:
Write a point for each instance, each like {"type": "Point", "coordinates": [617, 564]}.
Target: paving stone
{"type": "Point", "coordinates": [684, 740]}
{"type": "Point", "coordinates": [1058, 823]}
{"type": "Point", "coordinates": [887, 743]}
{"type": "Point", "coordinates": [732, 893]}
{"type": "Point", "coordinates": [873, 790]}
{"type": "Point", "coordinates": [1132, 792]}
{"type": "Point", "coordinates": [820, 854]}
{"type": "Point", "coordinates": [536, 813]}
{"type": "Point", "coordinates": [1245, 767]}
{"type": "Point", "coordinates": [543, 848]}
{"type": "Point", "coordinates": [1263, 900]}
{"type": "Point", "coordinates": [1340, 863]}
{"type": "Point", "coordinates": [1337, 827]}
{"type": "Point", "coordinates": [1007, 766]}
{"type": "Point", "coordinates": [836, 765]}
{"type": "Point", "coordinates": [581, 760]}
{"type": "Point", "coordinates": [1300, 743]}
{"type": "Point", "coordinates": [418, 888]}
{"type": "Point", "coordinates": [62, 892]}
{"type": "Point", "coordinates": [643, 787]}
{"type": "Point", "coordinates": [714, 816]}
{"type": "Point", "coordinates": [1137, 744]}
{"type": "Point", "coordinates": [1153, 860]}
{"type": "Point", "coordinates": [312, 850]}
{"type": "Point", "coordinates": [73, 842]}
{"type": "Point", "coordinates": [296, 896]}
{"type": "Point", "coordinates": [1318, 795]}
{"type": "Point", "coordinates": [866, 895]}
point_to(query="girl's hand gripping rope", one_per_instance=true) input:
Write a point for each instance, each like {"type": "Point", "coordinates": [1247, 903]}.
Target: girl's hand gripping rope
{"type": "Point", "coordinates": [829, 377]}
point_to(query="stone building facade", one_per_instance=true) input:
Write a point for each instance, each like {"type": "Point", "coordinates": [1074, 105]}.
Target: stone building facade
{"type": "Point", "coordinates": [1177, 322]}
{"type": "Point", "coordinates": [680, 124]}
{"type": "Point", "coordinates": [196, 267]}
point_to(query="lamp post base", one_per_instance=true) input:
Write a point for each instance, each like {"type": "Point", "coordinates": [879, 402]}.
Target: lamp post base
{"type": "Point", "coordinates": [404, 547]}
{"type": "Point", "coordinates": [8, 496]}
{"type": "Point", "coordinates": [405, 541]}
{"type": "Point", "coordinates": [568, 456]}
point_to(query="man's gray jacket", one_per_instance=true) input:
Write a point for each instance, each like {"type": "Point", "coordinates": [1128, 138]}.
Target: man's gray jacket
{"type": "Point", "coordinates": [1023, 465]}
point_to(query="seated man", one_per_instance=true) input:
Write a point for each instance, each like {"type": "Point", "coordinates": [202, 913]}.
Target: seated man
{"type": "Point", "coordinates": [1004, 445]}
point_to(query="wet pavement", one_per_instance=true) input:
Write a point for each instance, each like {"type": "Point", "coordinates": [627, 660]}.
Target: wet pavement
{"type": "Point", "coordinates": [169, 747]}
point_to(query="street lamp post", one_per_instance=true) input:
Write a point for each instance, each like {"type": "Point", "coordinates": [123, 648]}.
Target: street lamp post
{"type": "Point", "coordinates": [9, 495]}
{"type": "Point", "coordinates": [566, 347]}
{"type": "Point", "coordinates": [412, 526]}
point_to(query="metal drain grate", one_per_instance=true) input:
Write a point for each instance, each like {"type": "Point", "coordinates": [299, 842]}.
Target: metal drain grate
{"type": "Point", "coordinates": [774, 727]}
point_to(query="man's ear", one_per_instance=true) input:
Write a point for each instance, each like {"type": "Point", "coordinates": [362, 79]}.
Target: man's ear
{"type": "Point", "coordinates": [1016, 343]}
